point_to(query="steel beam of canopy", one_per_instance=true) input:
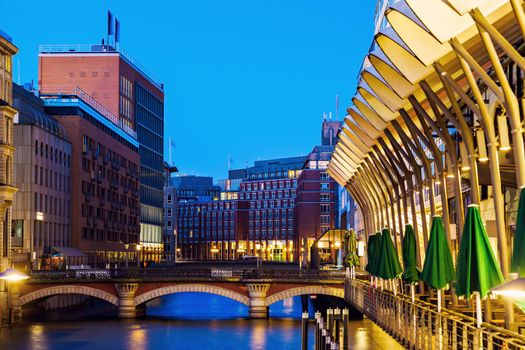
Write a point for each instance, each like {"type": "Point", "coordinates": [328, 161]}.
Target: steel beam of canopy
{"type": "Point", "coordinates": [388, 188]}
{"type": "Point", "coordinates": [365, 192]}
{"type": "Point", "coordinates": [379, 185]}
{"type": "Point", "coordinates": [510, 99]}
{"type": "Point", "coordinates": [365, 210]}
{"type": "Point", "coordinates": [488, 128]}
{"type": "Point", "coordinates": [418, 150]}
{"type": "Point", "coordinates": [425, 119]}
{"type": "Point", "coordinates": [391, 168]}
{"type": "Point", "coordinates": [410, 190]}
{"type": "Point", "coordinates": [370, 214]}
{"type": "Point", "coordinates": [363, 178]}
{"type": "Point", "coordinates": [441, 128]}
{"type": "Point", "coordinates": [417, 172]}
{"type": "Point", "coordinates": [456, 117]}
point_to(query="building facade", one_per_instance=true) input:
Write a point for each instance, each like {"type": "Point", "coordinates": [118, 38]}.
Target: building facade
{"type": "Point", "coordinates": [117, 82]}
{"type": "Point", "coordinates": [105, 176]}
{"type": "Point", "coordinates": [7, 150]}
{"type": "Point", "coordinates": [42, 169]}
{"type": "Point", "coordinates": [212, 230]}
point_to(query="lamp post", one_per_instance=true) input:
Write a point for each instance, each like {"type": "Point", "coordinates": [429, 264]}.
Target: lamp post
{"type": "Point", "coordinates": [139, 247]}
{"type": "Point", "coordinates": [126, 246]}
{"type": "Point", "coordinates": [11, 277]}
{"type": "Point", "coordinates": [174, 249]}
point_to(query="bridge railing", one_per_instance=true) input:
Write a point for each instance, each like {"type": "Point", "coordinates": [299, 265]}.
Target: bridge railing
{"type": "Point", "coordinates": [419, 325]}
{"type": "Point", "coordinates": [157, 274]}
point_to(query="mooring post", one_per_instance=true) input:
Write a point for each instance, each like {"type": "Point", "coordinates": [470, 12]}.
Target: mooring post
{"type": "Point", "coordinates": [345, 329]}
{"type": "Point", "coordinates": [304, 333]}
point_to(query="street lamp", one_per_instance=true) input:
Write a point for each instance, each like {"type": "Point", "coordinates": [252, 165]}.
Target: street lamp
{"type": "Point", "coordinates": [12, 276]}
{"type": "Point", "coordinates": [126, 246]}
{"type": "Point", "coordinates": [139, 247]}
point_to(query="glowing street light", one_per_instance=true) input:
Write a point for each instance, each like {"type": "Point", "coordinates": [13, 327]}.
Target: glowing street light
{"type": "Point", "coordinates": [12, 275]}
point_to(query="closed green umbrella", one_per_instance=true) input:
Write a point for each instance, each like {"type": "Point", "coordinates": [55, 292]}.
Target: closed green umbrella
{"type": "Point", "coordinates": [351, 257]}
{"type": "Point", "coordinates": [477, 269]}
{"type": "Point", "coordinates": [411, 272]}
{"type": "Point", "coordinates": [374, 242]}
{"type": "Point", "coordinates": [518, 255]}
{"type": "Point", "coordinates": [438, 269]}
{"type": "Point", "coordinates": [388, 266]}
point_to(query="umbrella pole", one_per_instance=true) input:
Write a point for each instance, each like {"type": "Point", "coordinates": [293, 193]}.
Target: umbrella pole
{"type": "Point", "coordinates": [439, 299]}
{"type": "Point", "coordinates": [478, 310]}
{"type": "Point", "coordinates": [413, 293]}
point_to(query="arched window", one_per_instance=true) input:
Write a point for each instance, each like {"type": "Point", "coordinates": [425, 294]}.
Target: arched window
{"type": "Point", "coordinates": [36, 147]}
{"type": "Point", "coordinates": [41, 149]}
{"type": "Point", "coordinates": [51, 153]}
{"type": "Point", "coordinates": [47, 151]}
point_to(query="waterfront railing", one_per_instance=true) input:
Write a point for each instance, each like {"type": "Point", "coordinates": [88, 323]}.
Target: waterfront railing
{"type": "Point", "coordinates": [419, 325]}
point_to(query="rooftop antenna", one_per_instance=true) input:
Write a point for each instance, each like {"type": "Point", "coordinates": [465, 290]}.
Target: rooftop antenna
{"type": "Point", "coordinates": [336, 107]}
{"type": "Point", "coordinates": [330, 115]}
{"type": "Point", "coordinates": [171, 145]}
{"type": "Point", "coordinates": [324, 115]}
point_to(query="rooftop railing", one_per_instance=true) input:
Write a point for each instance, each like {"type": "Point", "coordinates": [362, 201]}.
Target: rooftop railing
{"type": "Point", "coordinates": [73, 90]}
{"type": "Point", "coordinates": [99, 48]}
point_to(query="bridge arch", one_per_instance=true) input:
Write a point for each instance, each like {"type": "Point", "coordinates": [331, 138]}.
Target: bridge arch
{"type": "Point", "coordinates": [195, 288]}
{"type": "Point", "coordinates": [67, 289]}
{"type": "Point", "coordinates": [292, 292]}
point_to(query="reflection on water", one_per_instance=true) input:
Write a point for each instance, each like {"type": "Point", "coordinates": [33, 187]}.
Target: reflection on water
{"type": "Point", "coordinates": [181, 321]}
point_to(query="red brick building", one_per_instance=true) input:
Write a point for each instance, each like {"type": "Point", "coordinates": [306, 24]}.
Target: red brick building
{"type": "Point", "coordinates": [104, 179]}
{"type": "Point", "coordinates": [213, 230]}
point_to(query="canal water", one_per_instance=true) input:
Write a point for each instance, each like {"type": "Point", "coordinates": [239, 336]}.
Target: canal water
{"type": "Point", "coordinates": [181, 321]}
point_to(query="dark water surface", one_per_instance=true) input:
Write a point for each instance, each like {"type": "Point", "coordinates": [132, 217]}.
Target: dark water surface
{"type": "Point", "coordinates": [182, 321]}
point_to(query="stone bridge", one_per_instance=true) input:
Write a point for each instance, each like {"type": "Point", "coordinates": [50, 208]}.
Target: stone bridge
{"type": "Point", "coordinates": [129, 290]}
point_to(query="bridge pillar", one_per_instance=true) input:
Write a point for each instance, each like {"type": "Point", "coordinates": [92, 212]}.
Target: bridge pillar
{"type": "Point", "coordinates": [257, 292]}
{"type": "Point", "coordinates": [126, 302]}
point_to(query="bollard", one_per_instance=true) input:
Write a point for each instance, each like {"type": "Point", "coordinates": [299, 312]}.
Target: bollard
{"type": "Point", "coordinates": [328, 343]}
{"type": "Point", "coordinates": [324, 336]}
{"type": "Point", "coordinates": [345, 329]}
{"type": "Point", "coordinates": [304, 334]}
{"type": "Point", "coordinates": [337, 318]}
{"type": "Point", "coordinates": [329, 319]}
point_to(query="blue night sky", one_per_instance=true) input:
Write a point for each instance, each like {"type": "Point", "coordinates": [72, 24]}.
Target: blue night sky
{"type": "Point", "coordinates": [246, 78]}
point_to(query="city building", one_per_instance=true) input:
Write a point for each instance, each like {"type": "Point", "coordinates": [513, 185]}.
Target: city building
{"type": "Point", "coordinates": [114, 80]}
{"type": "Point", "coordinates": [7, 150]}
{"type": "Point", "coordinates": [270, 187]}
{"type": "Point", "coordinates": [190, 188]}
{"type": "Point", "coordinates": [42, 171]}
{"type": "Point", "coordinates": [212, 230]}
{"type": "Point", "coordinates": [104, 178]}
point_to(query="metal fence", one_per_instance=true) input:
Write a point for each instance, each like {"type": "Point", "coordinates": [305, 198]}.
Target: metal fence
{"type": "Point", "coordinates": [168, 274]}
{"type": "Point", "coordinates": [418, 325]}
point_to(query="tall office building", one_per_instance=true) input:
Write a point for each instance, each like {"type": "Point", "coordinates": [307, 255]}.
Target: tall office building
{"type": "Point", "coordinates": [120, 84]}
